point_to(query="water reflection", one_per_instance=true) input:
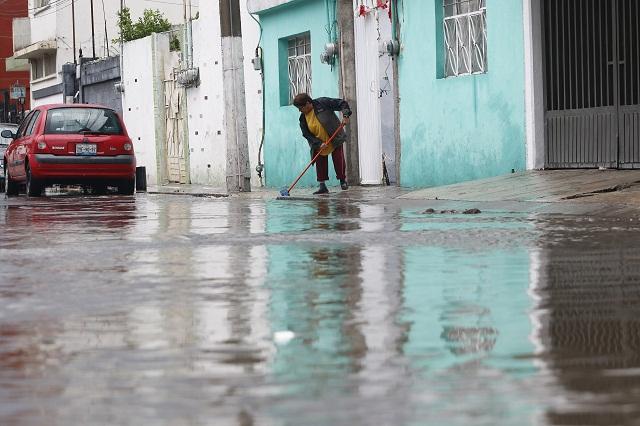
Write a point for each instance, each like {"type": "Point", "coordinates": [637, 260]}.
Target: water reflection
{"type": "Point", "coordinates": [587, 331]}
{"type": "Point", "coordinates": [164, 310]}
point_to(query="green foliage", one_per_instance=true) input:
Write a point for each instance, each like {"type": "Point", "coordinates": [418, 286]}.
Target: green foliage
{"type": "Point", "coordinates": [152, 21]}
{"type": "Point", "coordinates": [174, 43]}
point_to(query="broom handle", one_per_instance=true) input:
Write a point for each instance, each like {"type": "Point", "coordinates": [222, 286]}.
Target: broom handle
{"type": "Point", "coordinates": [317, 154]}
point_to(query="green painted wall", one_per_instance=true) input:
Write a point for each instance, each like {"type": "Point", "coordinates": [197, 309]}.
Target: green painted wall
{"type": "Point", "coordinates": [286, 152]}
{"type": "Point", "coordinates": [467, 127]}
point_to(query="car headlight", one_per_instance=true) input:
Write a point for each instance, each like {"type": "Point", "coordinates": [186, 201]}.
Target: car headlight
{"type": "Point", "coordinates": [42, 145]}
{"type": "Point", "coordinates": [128, 147]}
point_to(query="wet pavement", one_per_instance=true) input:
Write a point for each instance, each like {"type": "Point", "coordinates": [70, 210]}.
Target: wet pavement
{"type": "Point", "coordinates": [180, 310]}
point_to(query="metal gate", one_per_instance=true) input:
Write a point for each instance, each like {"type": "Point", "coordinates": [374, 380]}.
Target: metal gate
{"type": "Point", "coordinates": [175, 135]}
{"type": "Point", "coordinates": [592, 83]}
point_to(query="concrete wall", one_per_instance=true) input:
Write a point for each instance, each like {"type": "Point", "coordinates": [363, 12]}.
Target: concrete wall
{"type": "Point", "coordinates": [467, 127]}
{"type": "Point", "coordinates": [143, 102]}
{"type": "Point", "coordinates": [286, 152]}
{"type": "Point", "coordinates": [97, 79]}
{"type": "Point", "coordinates": [205, 103]}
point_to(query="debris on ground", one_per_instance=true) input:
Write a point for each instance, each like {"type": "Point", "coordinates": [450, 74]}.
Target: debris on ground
{"type": "Point", "coordinates": [468, 211]}
{"type": "Point", "coordinates": [472, 211]}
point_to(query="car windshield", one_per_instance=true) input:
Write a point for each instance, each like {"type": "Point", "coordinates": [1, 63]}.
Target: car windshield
{"type": "Point", "coordinates": [82, 120]}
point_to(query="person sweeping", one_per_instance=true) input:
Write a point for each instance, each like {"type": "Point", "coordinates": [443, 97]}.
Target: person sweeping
{"type": "Point", "coordinates": [317, 121]}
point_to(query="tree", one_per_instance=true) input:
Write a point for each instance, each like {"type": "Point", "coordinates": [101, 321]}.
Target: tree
{"type": "Point", "coordinates": [152, 21]}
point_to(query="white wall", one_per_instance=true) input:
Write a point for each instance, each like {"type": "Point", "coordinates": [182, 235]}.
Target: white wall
{"type": "Point", "coordinates": [43, 27]}
{"type": "Point", "coordinates": [207, 146]}
{"type": "Point", "coordinates": [366, 31]}
{"type": "Point", "coordinates": [53, 99]}
{"type": "Point", "coordinates": [43, 24]}
{"type": "Point", "coordinates": [142, 113]}
{"type": "Point", "coordinates": [205, 103]}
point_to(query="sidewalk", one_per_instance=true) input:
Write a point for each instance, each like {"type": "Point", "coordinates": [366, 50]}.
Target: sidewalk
{"type": "Point", "coordinates": [544, 186]}
{"type": "Point", "coordinates": [354, 193]}
{"type": "Point", "coordinates": [549, 191]}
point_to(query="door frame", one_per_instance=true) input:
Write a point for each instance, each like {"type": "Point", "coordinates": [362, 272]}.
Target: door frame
{"type": "Point", "coordinates": [534, 83]}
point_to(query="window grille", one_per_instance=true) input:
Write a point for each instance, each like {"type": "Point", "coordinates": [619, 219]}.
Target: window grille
{"type": "Point", "coordinates": [299, 60]}
{"type": "Point", "coordinates": [41, 3]}
{"type": "Point", "coordinates": [465, 37]}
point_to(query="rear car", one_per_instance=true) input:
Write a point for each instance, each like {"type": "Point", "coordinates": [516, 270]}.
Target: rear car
{"type": "Point", "coordinates": [4, 144]}
{"type": "Point", "coordinates": [66, 144]}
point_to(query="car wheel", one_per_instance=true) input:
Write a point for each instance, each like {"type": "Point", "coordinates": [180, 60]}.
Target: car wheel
{"type": "Point", "coordinates": [10, 187]}
{"type": "Point", "coordinates": [34, 187]}
{"type": "Point", "coordinates": [127, 187]}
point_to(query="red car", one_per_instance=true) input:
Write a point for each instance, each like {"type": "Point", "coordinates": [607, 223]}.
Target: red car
{"type": "Point", "coordinates": [69, 144]}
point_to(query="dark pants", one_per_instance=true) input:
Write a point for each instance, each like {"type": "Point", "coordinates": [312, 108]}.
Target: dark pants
{"type": "Point", "coordinates": [322, 165]}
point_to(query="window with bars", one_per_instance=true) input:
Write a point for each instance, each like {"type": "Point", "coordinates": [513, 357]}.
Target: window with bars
{"type": "Point", "coordinates": [299, 65]}
{"type": "Point", "coordinates": [465, 37]}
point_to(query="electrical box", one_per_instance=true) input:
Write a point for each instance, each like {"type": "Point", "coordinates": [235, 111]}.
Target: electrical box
{"type": "Point", "coordinates": [257, 63]}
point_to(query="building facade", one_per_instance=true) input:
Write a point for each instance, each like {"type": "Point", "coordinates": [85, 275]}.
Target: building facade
{"type": "Point", "coordinates": [294, 34]}
{"type": "Point", "coordinates": [65, 32]}
{"type": "Point", "coordinates": [462, 86]}
{"type": "Point", "coordinates": [181, 129]}
{"type": "Point", "coordinates": [13, 73]}
{"type": "Point", "coordinates": [440, 86]}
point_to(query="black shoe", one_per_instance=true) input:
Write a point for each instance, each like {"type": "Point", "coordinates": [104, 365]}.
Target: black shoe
{"type": "Point", "coordinates": [343, 184]}
{"type": "Point", "coordinates": [322, 190]}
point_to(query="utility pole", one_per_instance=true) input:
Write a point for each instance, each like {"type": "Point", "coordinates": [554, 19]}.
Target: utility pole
{"type": "Point", "coordinates": [238, 169]}
{"type": "Point", "coordinates": [348, 85]}
{"type": "Point", "coordinates": [73, 29]}
{"type": "Point", "coordinates": [93, 33]}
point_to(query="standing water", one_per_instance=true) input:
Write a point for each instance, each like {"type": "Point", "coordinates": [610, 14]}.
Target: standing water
{"type": "Point", "coordinates": [172, 310]}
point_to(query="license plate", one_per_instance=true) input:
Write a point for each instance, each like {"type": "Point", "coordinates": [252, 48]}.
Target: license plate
{"type": "Point", "coordinates": [86, 149]}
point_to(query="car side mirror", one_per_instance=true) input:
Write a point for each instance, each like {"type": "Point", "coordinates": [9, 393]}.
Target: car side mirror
{"type": "Point", "coordinates": [8, 134]}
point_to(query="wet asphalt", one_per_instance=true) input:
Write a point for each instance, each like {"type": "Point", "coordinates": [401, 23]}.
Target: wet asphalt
{"type": "Point", "coordinates": [179, 310]}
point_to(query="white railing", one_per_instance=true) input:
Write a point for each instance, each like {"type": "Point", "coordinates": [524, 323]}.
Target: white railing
{"type": "Point", "coordinates": [465, 38]}
{"type": "Point", "coordinates": [299, 75]}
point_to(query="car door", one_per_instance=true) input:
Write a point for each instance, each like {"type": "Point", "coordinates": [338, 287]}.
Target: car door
{"type": "Point", "coordinates": [22, 144]}
{"type": "Point", "coordinates": [12, 149]}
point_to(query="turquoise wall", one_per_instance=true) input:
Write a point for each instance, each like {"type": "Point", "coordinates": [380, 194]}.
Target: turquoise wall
{"type": "Point", "coordinates": [467, 127]}
{"type": "Point", "coordinates": [286, 152]}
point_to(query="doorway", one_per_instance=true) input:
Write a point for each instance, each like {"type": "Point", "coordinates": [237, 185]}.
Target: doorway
{"type": "Point", "coordinates": [591, 54]}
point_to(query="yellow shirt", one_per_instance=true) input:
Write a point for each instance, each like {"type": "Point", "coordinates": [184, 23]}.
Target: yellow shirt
{"type": "Point", "coordinates": [317, 130]}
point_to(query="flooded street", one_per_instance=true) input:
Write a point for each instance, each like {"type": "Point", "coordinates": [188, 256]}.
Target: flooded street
{"type": "Point", "coordinates": [178, 310]}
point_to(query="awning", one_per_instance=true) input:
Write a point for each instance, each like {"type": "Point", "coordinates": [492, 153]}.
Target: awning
{"type": "Point", "coordinates": [36, 50]}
